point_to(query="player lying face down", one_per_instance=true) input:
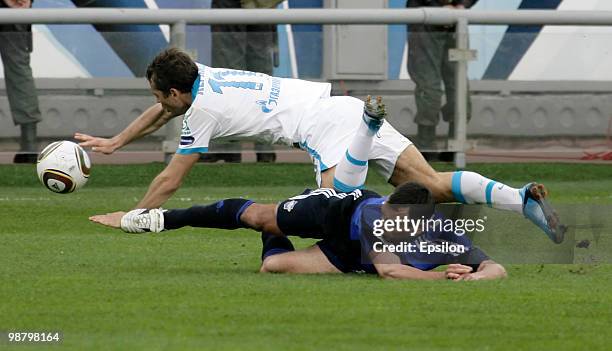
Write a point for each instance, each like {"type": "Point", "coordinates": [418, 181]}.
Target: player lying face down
{"type": "Point", "coordinates": [342, 222]}
{"type": "Point", "coordinates": [341, 134]}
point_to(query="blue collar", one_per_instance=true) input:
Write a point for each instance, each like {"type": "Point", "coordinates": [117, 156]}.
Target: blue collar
{"type": "Point", "coordinates": [195, 88]}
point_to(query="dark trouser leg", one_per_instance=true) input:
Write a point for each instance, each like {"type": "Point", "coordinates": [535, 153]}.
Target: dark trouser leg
{"type": "Point", "coordinates": [425, 58]}
{"type": "Point", "coordinates": [28, 143]}
{"type": "Point", "coordinates": [20, 88]}
{"type": "Point", "coordinates": [15, 50]}
{"type": "Point", "coordinates": [449, 75]}
{"type": "Point", "coordinates": [229, 45]}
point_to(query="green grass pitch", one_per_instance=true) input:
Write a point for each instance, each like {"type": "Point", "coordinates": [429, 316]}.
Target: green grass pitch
{"type": "Point", "coordinates": [199, 289]}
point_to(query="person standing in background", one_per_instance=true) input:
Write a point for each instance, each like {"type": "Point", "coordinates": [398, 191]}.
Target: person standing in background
{"type": "Point", "coordinates": [245, 47]}
{"type": "Point", "coordinates": [429, 68]}
{"type": "Point", "coordinates": [15, 49]}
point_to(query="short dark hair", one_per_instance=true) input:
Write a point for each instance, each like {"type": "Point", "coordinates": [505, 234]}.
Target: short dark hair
{"type": "Point", "coordinates": [412, 193]}
{"type": "Point", "coordinates": [172, 68]}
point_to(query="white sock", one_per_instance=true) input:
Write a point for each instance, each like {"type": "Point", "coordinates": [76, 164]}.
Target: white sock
{"type": "Point", "coordinates": [472, 188]}
{"type": "Point", "coordinates": [352, 170]}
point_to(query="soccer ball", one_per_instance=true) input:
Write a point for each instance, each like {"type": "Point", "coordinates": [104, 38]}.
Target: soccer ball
{"type": "Point", "coordinates": [63, 167]}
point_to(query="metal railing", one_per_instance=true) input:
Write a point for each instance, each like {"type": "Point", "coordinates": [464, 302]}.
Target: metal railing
{"type": "Point", "coordinates": [179, 18]}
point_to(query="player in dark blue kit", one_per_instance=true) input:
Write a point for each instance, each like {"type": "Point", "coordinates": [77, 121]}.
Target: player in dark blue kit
{"type": "Point", "coordinates": [342, 221]}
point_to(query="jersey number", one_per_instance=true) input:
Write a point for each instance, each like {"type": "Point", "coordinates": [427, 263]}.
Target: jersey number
{"type": "Point", "coordinates": [217, 86]}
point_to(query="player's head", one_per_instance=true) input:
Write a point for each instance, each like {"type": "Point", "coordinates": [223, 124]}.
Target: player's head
{"type": "Point", "coordinates": [171, 75]}
{"type": "Point", "coordinates": [411, 193]}
{"type": "Point", "coordinates": [409, 199]}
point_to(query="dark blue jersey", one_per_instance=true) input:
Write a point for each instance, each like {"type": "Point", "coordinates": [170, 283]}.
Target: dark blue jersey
{"type": "Point", "coordinates": [432, 248]}
{"type": "Point", "coordinates": [341, 219]}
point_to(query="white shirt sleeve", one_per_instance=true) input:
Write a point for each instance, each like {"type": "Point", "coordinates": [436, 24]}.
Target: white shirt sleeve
{"type": "Point", "coordinates": [198, 128]}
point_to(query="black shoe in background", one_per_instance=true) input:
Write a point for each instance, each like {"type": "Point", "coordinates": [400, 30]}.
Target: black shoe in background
{"type": "Point", "coordinates": [230, 157]}
{"type": "Point", "coordinates": [266, 157]}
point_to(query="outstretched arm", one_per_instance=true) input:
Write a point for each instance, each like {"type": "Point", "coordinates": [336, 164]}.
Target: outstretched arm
{"type": "Point", "coordinates": [389, 266]}
{"type": "Point", "coordinates": [168, 181]}
{"type": "Point", "coordinates": [401, 271]}
{"type": "Point", "coordinates": [162, 187]}
{"type": "Point", "coordinates": [149, 121]}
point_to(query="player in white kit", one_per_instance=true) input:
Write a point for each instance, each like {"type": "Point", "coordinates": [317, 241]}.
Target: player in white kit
{"type": "Point", "coordinates": [280, 110]}
{"type": "Point", "coordinates": [338, 133]}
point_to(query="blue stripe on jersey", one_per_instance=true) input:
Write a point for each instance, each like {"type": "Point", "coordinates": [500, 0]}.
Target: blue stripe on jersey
{"type": "Point", "coordinates": [195, 88]}
{"type": "Point", "coordinates": [489, 192]}
{"type": "Point", "coordinates": [345, 188]}
{"type": "Point", "coordinates": [355, 161]}
{"type": "Point", "coordinates": [456, 187]}
{"type": "Point", "coordinates": [192, 151]}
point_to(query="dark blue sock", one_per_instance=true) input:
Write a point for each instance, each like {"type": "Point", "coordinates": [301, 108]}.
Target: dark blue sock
{"type": "Point", "coordinates": [274, 245]}
{"type": "Point", "coordinates": [224, 214]}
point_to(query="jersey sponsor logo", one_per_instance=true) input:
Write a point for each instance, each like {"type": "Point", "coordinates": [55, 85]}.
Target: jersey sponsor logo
{"type": "Point", "coordinates": [265, 106]}
{"type": "Point", "coordinates": [186, 138]}
{"type": "Point", "coordinates": [288, 206]}
{"type": "Point", "coordinates": [186, 131]}
{"type": "Point", "coordinates": [268, 106]}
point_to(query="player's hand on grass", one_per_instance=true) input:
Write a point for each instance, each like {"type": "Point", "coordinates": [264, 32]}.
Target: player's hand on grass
{"type": "Point", "coordinates": [470, 276]}
{"type": "Point", "coordinates": [110, 219]}
{"type": "Point", "coordinates": [103, 145]}
{"type": "Point", "coordinates": [455, 271]}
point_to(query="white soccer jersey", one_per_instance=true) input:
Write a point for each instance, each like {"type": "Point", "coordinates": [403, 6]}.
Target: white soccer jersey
{"type": "Point", "coordinates": [238, 103]}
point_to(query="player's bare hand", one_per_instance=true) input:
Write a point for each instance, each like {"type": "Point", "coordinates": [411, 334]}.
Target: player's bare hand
{"type": "Point", "coordinates": [18, 4]}
{"type": "Point", "coordinates": [102, 145]}
{"type": "Point", "coordinates": [469, 277]}
{"type": "Point", "coordinates": [455, 271]}
{"type": "Point", "coordinates": [112, 220]}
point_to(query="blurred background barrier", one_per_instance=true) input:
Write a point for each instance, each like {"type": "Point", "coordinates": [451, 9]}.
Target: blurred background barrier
{"type": "Point", "coordinates": [533, 86]}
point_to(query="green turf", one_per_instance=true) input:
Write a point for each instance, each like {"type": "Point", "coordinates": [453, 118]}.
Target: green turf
{"type": "Point", "coordinates": [198, 289]}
